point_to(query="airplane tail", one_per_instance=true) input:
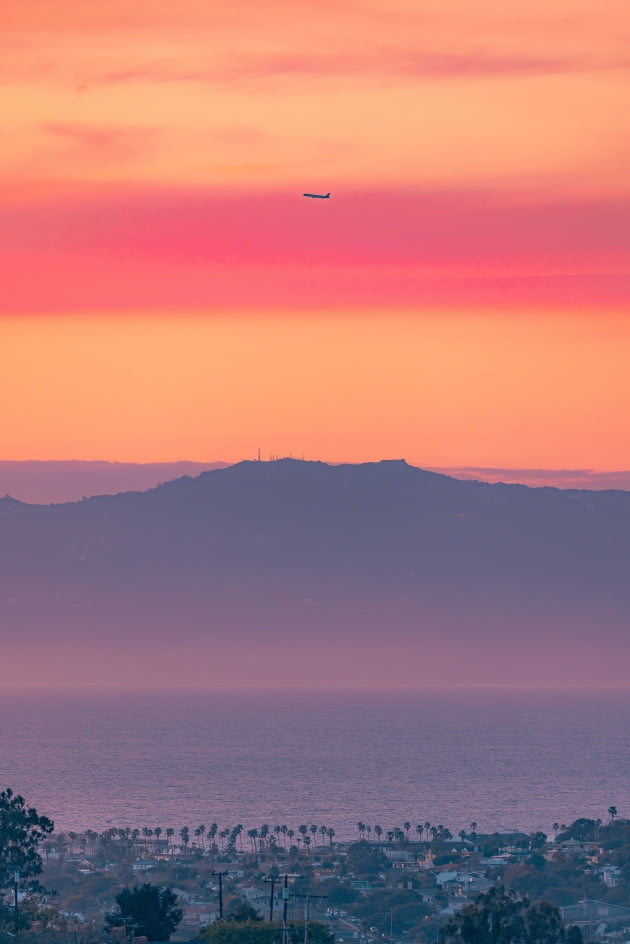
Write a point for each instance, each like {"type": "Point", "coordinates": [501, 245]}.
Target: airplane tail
{"type": "Point", "coordinates": [328, 194]}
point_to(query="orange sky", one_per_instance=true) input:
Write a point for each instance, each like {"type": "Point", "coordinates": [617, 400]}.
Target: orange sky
{"type": "Point", "coordinates": [497, 390]}
{"type": "Point", "coordinates": [461, 299]}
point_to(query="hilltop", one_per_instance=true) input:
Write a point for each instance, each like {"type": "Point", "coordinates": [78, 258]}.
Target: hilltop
{"type": "Point", "coordinates": [291, 554]}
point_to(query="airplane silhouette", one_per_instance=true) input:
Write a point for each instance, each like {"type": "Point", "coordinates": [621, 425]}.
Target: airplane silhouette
{"type": "Point", "coordinates": [317, 196]}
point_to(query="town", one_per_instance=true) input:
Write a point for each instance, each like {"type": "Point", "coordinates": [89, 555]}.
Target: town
{"type": "Point", "coordinates": [394, 885]}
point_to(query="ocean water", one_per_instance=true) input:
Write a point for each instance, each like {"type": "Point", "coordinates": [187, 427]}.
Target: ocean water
{"type": "Point", "coordinates": [504, 760]}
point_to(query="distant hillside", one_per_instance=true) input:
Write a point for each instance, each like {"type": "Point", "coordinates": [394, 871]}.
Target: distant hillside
{"type": "Point", "coordinates": [435, 578]}
{"type": "Point", "coordinates": [47, 481]}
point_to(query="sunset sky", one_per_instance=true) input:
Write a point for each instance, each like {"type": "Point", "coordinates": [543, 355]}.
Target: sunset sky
{"type": "Point", "coordinates": [462, 298]}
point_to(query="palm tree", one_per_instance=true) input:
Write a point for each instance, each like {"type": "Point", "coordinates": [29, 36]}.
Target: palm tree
{"type": "Point", "coordinates": [157, 832]}
{"type": "Point", "coordinates": [419, 830]}
{"type": "Point", "coordinates": [185, 834]}
{"type": "Point", "coordinates": [613, 812]}
{"type": "Point", "coordinates": [331, 833]}
{"type": "Point", "coordinates": [91, 836]}
{"type": "Point", "coordinates": [199, 833]}
{"type": "Point", "coordinates": [378, 832]}
{"type": "Point", "coordinates": [253, 836]}
{"type": "Point", "coordinates": [427, 828]}
{"type": "Point", "coordinates": [361, 829]}
{"type": "Point", "coordinates": [407, 827]}
{"type": "Point", "coordinates": [264, 832]}
{"type": "Point", "coordinates": [324, 831]}
{"type": "Point", "coordinates": [235, 832]}
{"type": "Point", "coordinates": [170, 832]}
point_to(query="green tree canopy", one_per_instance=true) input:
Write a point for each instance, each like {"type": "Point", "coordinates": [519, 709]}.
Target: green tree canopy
{"type": "Point", "coordinates": [500, 917]}
{"type": "Point", "coordinates": [582, 829]}
{"type": "Point", "coordinates": [244, 912]}
{"type": "Point", "coordinates": [148, 910]}
{"type": "Point", "coordinates": [366, 860]}
{"type": "Point", "coordinates": [265, 932]}
{"type": "Point", "coordinates": [21, 831]}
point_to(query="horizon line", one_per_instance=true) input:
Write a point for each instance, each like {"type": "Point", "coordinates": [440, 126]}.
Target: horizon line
{"type": "Point", "coordinates": [7, 688]}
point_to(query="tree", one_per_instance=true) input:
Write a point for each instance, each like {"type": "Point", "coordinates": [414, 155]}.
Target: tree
{"type": "Point", "coordinates": [582, 829]}
{"type": "Point", "coordinates": [244, 912]}
{"type": "Point", "coordinates": [147, 910]}
{"type": "Point", "coordinates": [365, 859]}
{"type": "Point", "coordinates": [574, 935]}
{"type": "Point", "coordinates": [612, 811]}
{"type": "Point", "coordinates": [21, 831]}
{"type": "Point", "coordinates": [199, 833]}
{"type": "Point", "coordinates": [500, 917]}
{"type": "Point", "coordinates": [264, 932]}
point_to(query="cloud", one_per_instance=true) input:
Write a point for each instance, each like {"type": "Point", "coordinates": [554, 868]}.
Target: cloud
{"type": "Point", "coordinates": [484, 230]}
{"type": "Point", "coordinates": [395, 62]}
{"type": "Point", "coordinates": [557, 478]}
{"type": "Point", "coordinates": [245, 42]}
{"type": "Point", "coordinates": [102, 142]}
{"type": "Point", "coordinates": [144, 249]}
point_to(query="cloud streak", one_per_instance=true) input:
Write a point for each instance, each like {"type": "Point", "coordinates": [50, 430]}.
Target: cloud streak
{"type": "Point", "coordinates": [395, 226]}
{"type": "Point", "coordinates": [405, 246]}
{"type": "Point", "coordinates": [89, 142]}
{"type": "Point", "coordinates": [397, 62]}
{"type": "Point", "coordinates": [591, 479]}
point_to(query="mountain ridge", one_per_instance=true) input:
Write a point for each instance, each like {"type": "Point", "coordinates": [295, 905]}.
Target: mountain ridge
{"type": "Point", "coordinates": [290, 553]}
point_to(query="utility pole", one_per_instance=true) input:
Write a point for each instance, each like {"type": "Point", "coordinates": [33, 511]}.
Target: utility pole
{"type": "Point", "coordinates": [272, 881]}
{"type": "Point", "coordinates": [307, 915]}
{"type": "Point", "coordinates": [16, 883]}
{"type": "Point", "coordinates": [220, 874]}
{"type": "Point", "coordinates": [285, 905]}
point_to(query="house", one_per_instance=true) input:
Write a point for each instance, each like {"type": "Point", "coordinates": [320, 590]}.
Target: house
{"type": "Point", "coordinates": [577, 847]}
{"type": "Point", "coordinates": [590, 910]}
{"type": "Point", "coordinates": [610, 875]}
{"type": "Point", "coordinates": [444, 878]}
